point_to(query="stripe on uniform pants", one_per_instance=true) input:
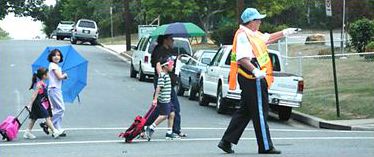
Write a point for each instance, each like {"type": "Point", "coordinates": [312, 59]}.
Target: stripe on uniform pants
{"type": "Point", "coordinates": [262, 120]}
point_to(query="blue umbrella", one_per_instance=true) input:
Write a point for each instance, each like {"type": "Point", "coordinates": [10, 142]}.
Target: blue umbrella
{"type": "Point", "coordinates": [73, 64]}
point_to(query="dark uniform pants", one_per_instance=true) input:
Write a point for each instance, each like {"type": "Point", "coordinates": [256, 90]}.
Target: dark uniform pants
{"type": "Point", "coordinates": [251, 108]}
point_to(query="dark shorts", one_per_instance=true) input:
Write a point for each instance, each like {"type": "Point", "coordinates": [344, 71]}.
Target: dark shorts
{"type": "Point", "coordinates": [165, 108]}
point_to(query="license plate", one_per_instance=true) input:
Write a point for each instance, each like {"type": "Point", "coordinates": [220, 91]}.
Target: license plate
{"type": "Point", "coordinates": [86, 31]}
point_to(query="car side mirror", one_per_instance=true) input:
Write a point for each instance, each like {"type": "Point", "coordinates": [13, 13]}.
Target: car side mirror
{"type": "Point", "coordinates": [206, 61]}
{"type": "Point", "coordinates": [133, 47]}
{"type": "Point", "coordinates": [184, 59]}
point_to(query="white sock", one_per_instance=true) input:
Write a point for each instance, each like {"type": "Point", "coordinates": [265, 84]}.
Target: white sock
{"type": "Point", "coordinates": [153, 126]}
{"type": "Point", "coordinates": [169, 131]}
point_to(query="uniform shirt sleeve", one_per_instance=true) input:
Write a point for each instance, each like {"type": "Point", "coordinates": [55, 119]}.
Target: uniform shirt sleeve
{"type": "Point", "coordinates": [243, 47]}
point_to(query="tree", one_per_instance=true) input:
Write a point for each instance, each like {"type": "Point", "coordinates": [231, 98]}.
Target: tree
{"type": "Point", "coordinates": [362, 32]}
{"type": "Point", "coordinates": [3, 35]}
{"type": "Point", "coordinates": [21, 7]}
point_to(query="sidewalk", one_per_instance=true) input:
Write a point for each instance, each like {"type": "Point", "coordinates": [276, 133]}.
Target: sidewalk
{"type": "Point", "coordinates": [119, 49]}
{"type": "Point", "coordinates": [357, 124]}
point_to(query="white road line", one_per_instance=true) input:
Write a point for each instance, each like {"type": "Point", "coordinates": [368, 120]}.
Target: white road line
{"type": "Point", "coordinates": [116, 54]}
{"type": "Point", "coordinates": [212, 128]}
{"type": "Point", "coordinates": [183, 140]}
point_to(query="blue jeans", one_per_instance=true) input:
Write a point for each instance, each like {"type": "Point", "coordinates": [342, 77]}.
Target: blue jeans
{"type": "Point", "coordinates": [175, 102]}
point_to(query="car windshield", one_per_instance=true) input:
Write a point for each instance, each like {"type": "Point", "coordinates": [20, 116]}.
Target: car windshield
{"type": "Point", "coordinates": [86, 24]}
{"type": "Point", "coordinates": [67, 22]}
{"type": "Point", "coordinates": [180, 46]}
{"type": "Point", "coordinates": [208, 54]}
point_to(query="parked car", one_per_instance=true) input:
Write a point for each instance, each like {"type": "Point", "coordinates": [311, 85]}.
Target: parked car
{"type": "Point", "coordinates": [64, 29]}
{"type": "Point", "coordinates": [53, 35]}
{"type": "Point", "coordinates": [189, 75]}
{"type": "Point", "coordinates": [85, 31]}
{"type": "Point", "coordinates": [285, 93]}
{"type": "Point", "coordinates": [141, 57]}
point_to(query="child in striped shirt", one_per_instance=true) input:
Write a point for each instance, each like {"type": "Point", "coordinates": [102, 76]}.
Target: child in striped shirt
{"type": "Point", "coordinates": [162, 100]}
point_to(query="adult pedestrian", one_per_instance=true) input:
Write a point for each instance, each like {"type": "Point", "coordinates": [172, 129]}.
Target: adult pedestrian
{"type": "Point", "coordinates": [252, 68]}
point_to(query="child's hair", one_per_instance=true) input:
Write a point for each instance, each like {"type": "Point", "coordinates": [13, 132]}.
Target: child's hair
{"type": "Point", "coordinates": [53, 53]}
{"type": "Point", "coordinates": [38, 75]}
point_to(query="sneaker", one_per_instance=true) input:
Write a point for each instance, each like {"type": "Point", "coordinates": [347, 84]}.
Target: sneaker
{"type": "Point", "coordinates": [172, 136]}
{"type": "Point", "coordinates": [57, 133]}
{"type": "Point", "coordinates": [149, 132]}
{"type": "Point", "coordinates": [28, 135]}
{"type": "Point", "coordinates": [45, 127]}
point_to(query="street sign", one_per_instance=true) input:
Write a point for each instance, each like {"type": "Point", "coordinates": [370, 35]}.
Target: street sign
{"type": "Point", "coordinates": [145, 30]}
{"type": "Point", "coordinates": [328, 8]}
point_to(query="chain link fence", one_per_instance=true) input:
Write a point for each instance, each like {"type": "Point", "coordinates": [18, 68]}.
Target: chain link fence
{"type": "Point", "coordinates": [355, 79]}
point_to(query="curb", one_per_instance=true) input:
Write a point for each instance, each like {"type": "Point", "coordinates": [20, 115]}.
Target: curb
{"type": "Point", "coordinates": [119, 53]}
{"type": "Point", "coordinates": [324, 124]}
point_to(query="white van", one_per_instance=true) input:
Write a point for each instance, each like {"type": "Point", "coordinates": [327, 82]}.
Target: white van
{"type": "Point", "coordinates": [85, 31]}
{"type": "Point", "coordinates": [141, 57]}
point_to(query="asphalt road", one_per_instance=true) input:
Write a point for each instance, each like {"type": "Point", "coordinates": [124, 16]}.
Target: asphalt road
{"type": "Point", "coordinates": [112, 99]}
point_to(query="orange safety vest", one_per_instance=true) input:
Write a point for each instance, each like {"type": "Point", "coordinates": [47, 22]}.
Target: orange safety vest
{"type": "Point", "coordinates": [260, 51]}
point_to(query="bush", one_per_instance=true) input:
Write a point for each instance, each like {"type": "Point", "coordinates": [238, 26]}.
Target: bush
{"type": "Point", "coordinates": [370, 48]}
{"type": "Point", "coordinates": [362, 32]}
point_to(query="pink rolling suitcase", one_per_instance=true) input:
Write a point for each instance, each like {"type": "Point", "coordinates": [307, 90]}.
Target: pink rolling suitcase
{"type": "Point", "coordinates": [10, 126]}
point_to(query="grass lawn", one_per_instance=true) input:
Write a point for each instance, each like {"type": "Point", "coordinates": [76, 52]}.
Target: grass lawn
{"type": "Point", "coordinates": [355, 83]}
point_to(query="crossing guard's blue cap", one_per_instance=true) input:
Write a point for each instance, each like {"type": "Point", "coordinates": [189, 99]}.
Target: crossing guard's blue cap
{"type": "Point", "coordinates": [251, 14]}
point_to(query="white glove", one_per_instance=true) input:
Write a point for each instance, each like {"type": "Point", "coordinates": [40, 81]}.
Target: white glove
{"type": "Point", "coordinates": [289, 31]}
{"type": "Point", "coordinates": [258, 73]}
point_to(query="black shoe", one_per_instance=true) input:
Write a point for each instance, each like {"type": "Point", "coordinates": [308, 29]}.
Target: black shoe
{"type": "Point", "coordinates": [271, 151]}
{"type": "Point", "coordinates": [225, 146]}
{"type": "Point", "coordinates": [45, 128]}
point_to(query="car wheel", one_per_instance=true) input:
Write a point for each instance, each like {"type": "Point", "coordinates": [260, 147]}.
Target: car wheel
{"type": "Point", "coordinates": [93, 42]}
{"type": "Point", "coordinates": [284, 113]}
{"type": "Point", "coordinates": [203, 101]}
{"type": "Point", "coordinates": [192, 93]}
{"type": "Point", "coordinates": [73, 41]}
{"type": "Point", "coordinates": [132, 71]}
{"type": "Point", "coordinates": [180, 90]}
{"type": "Point", "coordinates": [221, 104]}
{"type": "Point", "coordinates": [141, 74]}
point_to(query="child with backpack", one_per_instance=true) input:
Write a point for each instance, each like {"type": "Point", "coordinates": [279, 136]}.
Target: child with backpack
{"type": "Point", "coordinates": [39, 105]}
{"type": "Point", "coordinates": [162, 100]}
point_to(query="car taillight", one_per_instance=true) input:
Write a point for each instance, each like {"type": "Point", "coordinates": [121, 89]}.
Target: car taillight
{"type": "Point", "coordinates": [145, 59]}
{"type": "Point", "coordinates": [300, 87]}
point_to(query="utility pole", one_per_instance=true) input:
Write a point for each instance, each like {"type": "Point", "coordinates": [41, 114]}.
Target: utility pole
{"type": "Point", "coordinates": [343, 30]}
{"type": "Point", "coordinates": [127, 24]}
{"type": "Point", "coordinates": [239, 9]}
{"type": "Point", "coordinates": [111, 21]}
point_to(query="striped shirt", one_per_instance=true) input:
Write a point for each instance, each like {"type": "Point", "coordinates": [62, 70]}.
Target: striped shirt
{"type": "Point", "coordinates": [164, 83]}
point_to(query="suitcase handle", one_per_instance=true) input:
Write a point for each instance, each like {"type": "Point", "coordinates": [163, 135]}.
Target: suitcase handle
{"type": "Point", "coordinates": [19, 114]}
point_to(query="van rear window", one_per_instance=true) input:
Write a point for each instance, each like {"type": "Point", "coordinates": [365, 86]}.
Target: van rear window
{"type": "Point", "coordinates": [86, 24]}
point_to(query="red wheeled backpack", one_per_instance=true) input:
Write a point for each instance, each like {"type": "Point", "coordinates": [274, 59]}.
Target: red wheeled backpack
{"type": "Point", "coordinates": [137, 126]}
